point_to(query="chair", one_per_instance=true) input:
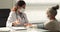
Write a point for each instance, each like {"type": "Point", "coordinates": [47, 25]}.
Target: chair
{"type": "Point", "coordinates": [4, 13]}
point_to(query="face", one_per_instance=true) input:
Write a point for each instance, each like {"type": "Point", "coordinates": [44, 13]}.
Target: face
{"type": "Point", "coordinates": [49, 15]}
{"type": "Point", "coordinates": [23, 6]}
{"type": "Point", "coordinates": [21, 9]}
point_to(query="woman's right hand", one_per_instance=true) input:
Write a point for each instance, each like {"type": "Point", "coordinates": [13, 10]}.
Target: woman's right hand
{"type": "Point", "coordinates": [15, 23]}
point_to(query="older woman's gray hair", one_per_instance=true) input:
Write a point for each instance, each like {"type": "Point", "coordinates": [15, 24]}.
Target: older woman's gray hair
{"type": "Point", "coordinates": [53, 10]}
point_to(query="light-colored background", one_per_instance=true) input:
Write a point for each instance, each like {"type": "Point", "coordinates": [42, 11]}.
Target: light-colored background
{"type": "Point", "coordinates": [35, 9]}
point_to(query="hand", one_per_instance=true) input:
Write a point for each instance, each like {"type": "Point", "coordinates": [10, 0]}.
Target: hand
{"type": "Point", "coordinates": [16, 23]}
{"type": "Point", "coordinates": [28, 24]}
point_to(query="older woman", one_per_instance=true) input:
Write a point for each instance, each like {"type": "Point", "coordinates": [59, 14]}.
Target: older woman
{"type": "Point", "coordinates": [52, 24]}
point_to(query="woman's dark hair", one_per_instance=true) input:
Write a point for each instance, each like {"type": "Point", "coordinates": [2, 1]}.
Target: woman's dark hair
{"type": "Point", "coordinates": [20, 3]}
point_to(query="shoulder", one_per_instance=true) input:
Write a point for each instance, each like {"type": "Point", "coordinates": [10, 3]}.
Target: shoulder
{"type": "Point", "coordinates": [12, 12]}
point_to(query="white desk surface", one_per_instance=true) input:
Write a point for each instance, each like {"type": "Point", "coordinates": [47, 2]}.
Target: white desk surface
{"type": "Point", "coordinates": [26, 30]}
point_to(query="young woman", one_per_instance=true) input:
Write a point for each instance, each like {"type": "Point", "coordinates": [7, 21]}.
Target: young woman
{"type": "Point", "coordinates": [17, 17]}
{"type": "Point", "coordinates": [52, 24]}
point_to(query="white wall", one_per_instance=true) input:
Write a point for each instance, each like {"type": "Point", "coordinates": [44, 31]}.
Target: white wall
{"type": "Point", "coordinates": [11, 3]}
{"type": "Point", "coordinates": [43, 1]}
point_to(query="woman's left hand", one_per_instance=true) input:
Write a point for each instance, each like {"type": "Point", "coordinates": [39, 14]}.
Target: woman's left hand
{"type": "Point", "coordinates": [27, 24]}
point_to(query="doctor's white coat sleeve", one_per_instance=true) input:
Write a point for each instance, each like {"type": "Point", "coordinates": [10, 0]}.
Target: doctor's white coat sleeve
{"type": "Point", "coordinates": [26, 19]}
{"type": "Point", "coordinates": [11, 18]}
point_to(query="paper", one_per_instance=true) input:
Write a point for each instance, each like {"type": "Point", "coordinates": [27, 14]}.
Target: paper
{"type": "Point", "coordinates": [19, 28]}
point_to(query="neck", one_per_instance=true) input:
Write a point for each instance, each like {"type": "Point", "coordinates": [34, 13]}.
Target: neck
{"type": "Point", "coordinates": [52, 18]}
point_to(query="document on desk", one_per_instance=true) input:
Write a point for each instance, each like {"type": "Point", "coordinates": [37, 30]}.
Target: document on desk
{"type": "Point", "coordinates": [19, 28]}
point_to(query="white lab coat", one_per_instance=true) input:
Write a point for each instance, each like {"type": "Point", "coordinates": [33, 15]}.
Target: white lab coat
{"type": "Point", "coordinates": [13, 17]}
{"type": "Point", "coordinates": [52, 25]}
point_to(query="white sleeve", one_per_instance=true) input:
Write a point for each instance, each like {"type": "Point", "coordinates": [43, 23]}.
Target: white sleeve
{"type": "Point", "coordinates": [26, 20]}
{"type": "Point", "coordinates": [11, 18]}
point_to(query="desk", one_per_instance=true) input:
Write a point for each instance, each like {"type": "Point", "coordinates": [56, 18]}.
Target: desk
{"type": "Point", "coordinates": [4, 29]}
